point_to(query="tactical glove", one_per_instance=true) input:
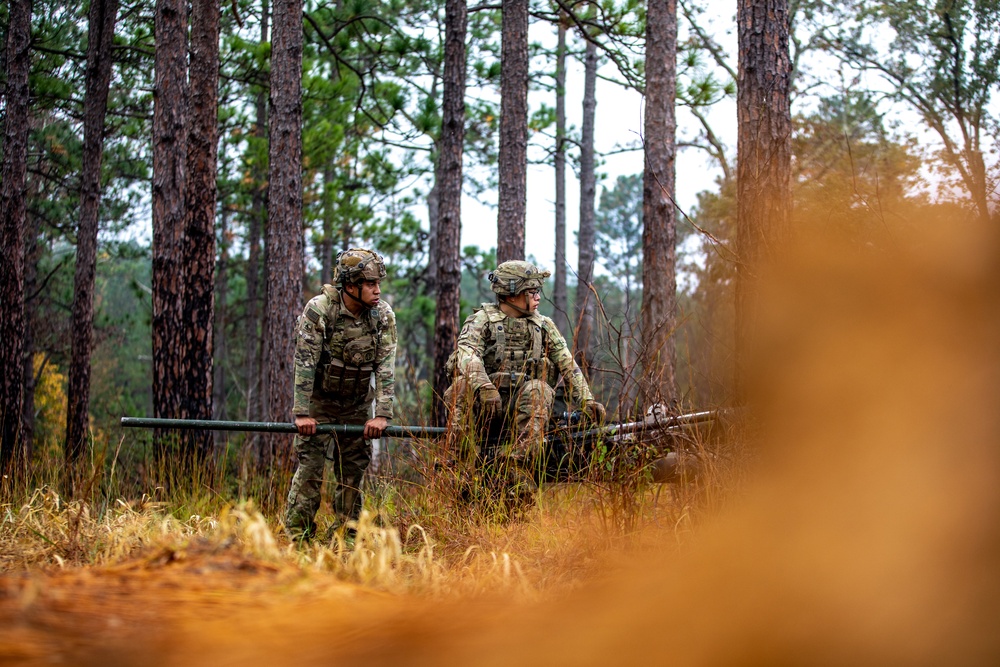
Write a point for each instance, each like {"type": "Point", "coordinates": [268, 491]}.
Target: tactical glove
{"type": "Point", "coordinates": [594, 410]}
{"type": "Point", "coordinates": [489, 401]}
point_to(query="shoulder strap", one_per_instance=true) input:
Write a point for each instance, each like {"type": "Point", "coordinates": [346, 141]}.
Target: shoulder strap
{"type": "Point", "coordinates": [536, 338]}
{"type": "Point", "coordinates": [333, 307]}
{"type": "Point", "coordinates": [495, 325]}
{"type": "Point", "coordinates": [375, 326]}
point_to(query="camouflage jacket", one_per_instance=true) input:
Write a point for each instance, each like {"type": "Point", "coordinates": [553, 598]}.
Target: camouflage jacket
{"type": "Point", "coordinates": [336, 354]}
{"type": "Point", "coordinates": [493, 347]}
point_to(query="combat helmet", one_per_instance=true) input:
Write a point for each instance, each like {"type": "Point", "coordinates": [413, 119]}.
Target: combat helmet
{"type": "Point", "coordinates": [358, 265]}
{"type": "Point", "coordinates": [515, 276]}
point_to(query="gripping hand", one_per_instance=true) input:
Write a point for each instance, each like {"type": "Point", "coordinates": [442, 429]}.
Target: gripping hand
{"type": "Point", "coordinates": [489, 401]}
{"type": "Point", "coordinates": [595, 411]}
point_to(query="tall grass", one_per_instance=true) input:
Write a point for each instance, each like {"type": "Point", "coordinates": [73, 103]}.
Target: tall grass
{"type": "Point", "coordinates": [420, 531]}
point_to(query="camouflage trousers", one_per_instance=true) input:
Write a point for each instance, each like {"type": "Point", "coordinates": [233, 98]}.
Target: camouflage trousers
{"type": "Point", "coordinates": [349, 455]}
{"type": "Point", "coordinates": [529, 405]}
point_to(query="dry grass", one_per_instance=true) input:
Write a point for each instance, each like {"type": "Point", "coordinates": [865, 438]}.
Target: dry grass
{"type": "Point", "coordinates": [454, 551]}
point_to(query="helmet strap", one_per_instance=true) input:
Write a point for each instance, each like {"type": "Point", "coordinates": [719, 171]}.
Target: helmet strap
{"type": "Point", "coordinates": [522, 311]}
{"type": "Point", "coordinates": [344, 292]}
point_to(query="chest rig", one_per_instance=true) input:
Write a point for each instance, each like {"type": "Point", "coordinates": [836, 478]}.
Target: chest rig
{"type": "Point", "coordinates": [350, 349]}
{"type": "Point", "coordinates": [515, 349]}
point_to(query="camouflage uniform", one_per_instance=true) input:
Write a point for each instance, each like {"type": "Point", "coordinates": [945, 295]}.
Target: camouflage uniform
{"type": "Point", "coordinates": [337, 357]}
{"type": "Point", "coordinates": [522, 357]}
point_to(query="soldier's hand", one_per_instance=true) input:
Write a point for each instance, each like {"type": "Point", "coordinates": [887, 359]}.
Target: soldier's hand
{"type": "Point", "coordinates": [489, 401]}
{"type": "Point", "coordinates": [595, 411]}
{"type": "Point", "coordinates": [306, 425]}
{"type": "Point", "coordinates": [374, 427]}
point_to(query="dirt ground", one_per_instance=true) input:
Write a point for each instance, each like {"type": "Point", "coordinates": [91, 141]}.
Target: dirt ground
{"type": "Point", "coordinates": [91, 614]}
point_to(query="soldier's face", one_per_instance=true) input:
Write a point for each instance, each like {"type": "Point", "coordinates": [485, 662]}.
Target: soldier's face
{"type": "Point", "coordinates": [367, 292]}
{"type": "Point", "coordinates": [528, 300]}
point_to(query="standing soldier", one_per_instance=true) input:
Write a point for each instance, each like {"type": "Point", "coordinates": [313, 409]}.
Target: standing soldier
{"type": "Point", "coordinates": [345, 350]}
{"type": "Point", "coordinates": [508, 359]}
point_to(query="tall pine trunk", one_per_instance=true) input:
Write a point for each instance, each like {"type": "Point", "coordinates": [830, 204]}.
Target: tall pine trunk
{"type": "Point", "coordinates": [13, 169]}
{"type": "Point", "coordinates": [219, 329]}
{"type": "Point", "coordinates": [220, 344]}
{"type": "Point", "coordinates": [582, 342]}
{"type": "Point", "coordinates": [32, 254]}
{"type": "Point", "coordinates": [561, 314]}
{"type": "Point", "coordinates": [449, 226]}
{"type": "Point", "coordinates": [329, 218]}
{"type": "Point", "coordinates": [100, 37]}
{"type": "Point", "coordinates": [659, 229]}
{"type": "Point", "coordinates": [258, 216]}
{"type": "Point", "coordinates": [199, 228]}
{"type": "Point", "coordinates": [513, 159]}
{"type": "Point", "coordinates": [284, 224]}
{"type": "Point", "coordinates": [169, 167]}
{"type": "Point", "coordinates": [763, 173]}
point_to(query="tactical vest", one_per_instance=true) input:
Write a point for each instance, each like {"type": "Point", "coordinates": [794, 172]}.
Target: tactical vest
{"type": "Point", "coordinates": [515, 349]}
{"type": "Point", "coordinates": [349, 375]}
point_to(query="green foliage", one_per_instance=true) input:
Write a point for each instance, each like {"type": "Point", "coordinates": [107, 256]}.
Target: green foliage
{"type": "Point", "coordinates": [943, 61]}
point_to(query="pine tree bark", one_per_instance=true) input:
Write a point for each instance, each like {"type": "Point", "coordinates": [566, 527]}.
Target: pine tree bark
{"type": "Point", "coordinates": [13, 170]}
{"type": "Point", "coordinates": [258, 216]}
{"type": "Point", "coordinates": [219, 329]}
{"type": "Point", "coordinates": [329, 218]}
{"type": "Point", "coordinates": [100, 37]}
{"type": "Point", "coordinates": [513, 158]}
{"type": "Point", "coordinates": [169, 168]}
{"type": "Point", "coordinates": [561, 314]}
{"type": "Point", "coordinates": [284, 224]}
{"type": "Point", "coordinates": [659, 232]}
{"type": "Point", "coordinates": [199, 223]}
{"type": "Point", "coordinates": [763, 174]}
{"type": "Point", "coordinates": [582, 342]}
{"type": "Point", "coordinates": [32, 253]}
{"type": "Point", "coordinates": [449, 226]}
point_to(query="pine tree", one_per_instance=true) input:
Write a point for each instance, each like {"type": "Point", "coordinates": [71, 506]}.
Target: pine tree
{"type": "Point", "coordinates": [658, 212]}
{"type": "Point", "coordinates": [101, 32]}
{"type": "Point", "coordinates": [449, 187]}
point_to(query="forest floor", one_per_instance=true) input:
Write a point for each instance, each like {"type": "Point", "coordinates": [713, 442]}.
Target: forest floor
{"type": "Point", "coordinates": [138, 586]}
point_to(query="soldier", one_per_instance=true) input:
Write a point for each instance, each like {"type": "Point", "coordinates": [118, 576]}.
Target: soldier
{"type": "Point", "coordinates": [345, 351]}
{"type": "Point", "coordinates": [508, 359]}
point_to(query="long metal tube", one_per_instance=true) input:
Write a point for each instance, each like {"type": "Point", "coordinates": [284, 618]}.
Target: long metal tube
{"type": "Point", "coordinates": [277, 427]}
{"type": "Point", "coordinates": [651, 423]}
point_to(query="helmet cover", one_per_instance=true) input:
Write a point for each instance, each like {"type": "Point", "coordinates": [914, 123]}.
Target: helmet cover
{"type": "Point", "coordinates": [358, 265]}
{"type": "Point", "coordinates": [515, 276]}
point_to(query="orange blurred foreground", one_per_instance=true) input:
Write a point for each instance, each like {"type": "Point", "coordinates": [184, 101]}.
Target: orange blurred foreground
{"type": "Point", "coordinates": [871, 534]}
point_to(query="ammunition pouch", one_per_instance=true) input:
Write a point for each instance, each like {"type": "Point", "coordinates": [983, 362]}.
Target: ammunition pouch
{"type": "Point", "coordinates": [511, 381]}
{"type": "Point", "coordinates": [344, 381]}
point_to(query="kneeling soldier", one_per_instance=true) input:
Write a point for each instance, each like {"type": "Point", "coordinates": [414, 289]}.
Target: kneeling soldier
{"type": "Point", "coordinates": [508, 359]}
{"type": "Point", "coordinates": [345, 350]}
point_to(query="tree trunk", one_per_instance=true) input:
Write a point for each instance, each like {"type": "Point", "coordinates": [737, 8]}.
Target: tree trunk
{"type": "Point", "coordinates": [258, 216]}
{"type": "Point", "coordinates": [32, 253]}
{"type": "Point", "coordinates": [561, 314]}
{"type": "Point", "coordinates": [220, 365]}
{"type": "Point", "coordinates": [100, 37]}
{"type": "Point", "coordinates": [582, 342]}
{"type": "Point", "coordinates": [329, 218]}
{"type": "Point", "coordinates": [513, 165]}
{"type": "Point", "coordinates": [13, 168]}
{"type": "Point", "coordinates": [169, 168]}
{"type": "Point", "coordinates": [659, 229]}
{"type": "Point", "coordinates": [764, 156]}
{"type": "Point", "coordinates": [284, 228]}
{"type": "Point", "coordinates": [199, 242]}
{"type": "Point", "coordinates": [449, 227]}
